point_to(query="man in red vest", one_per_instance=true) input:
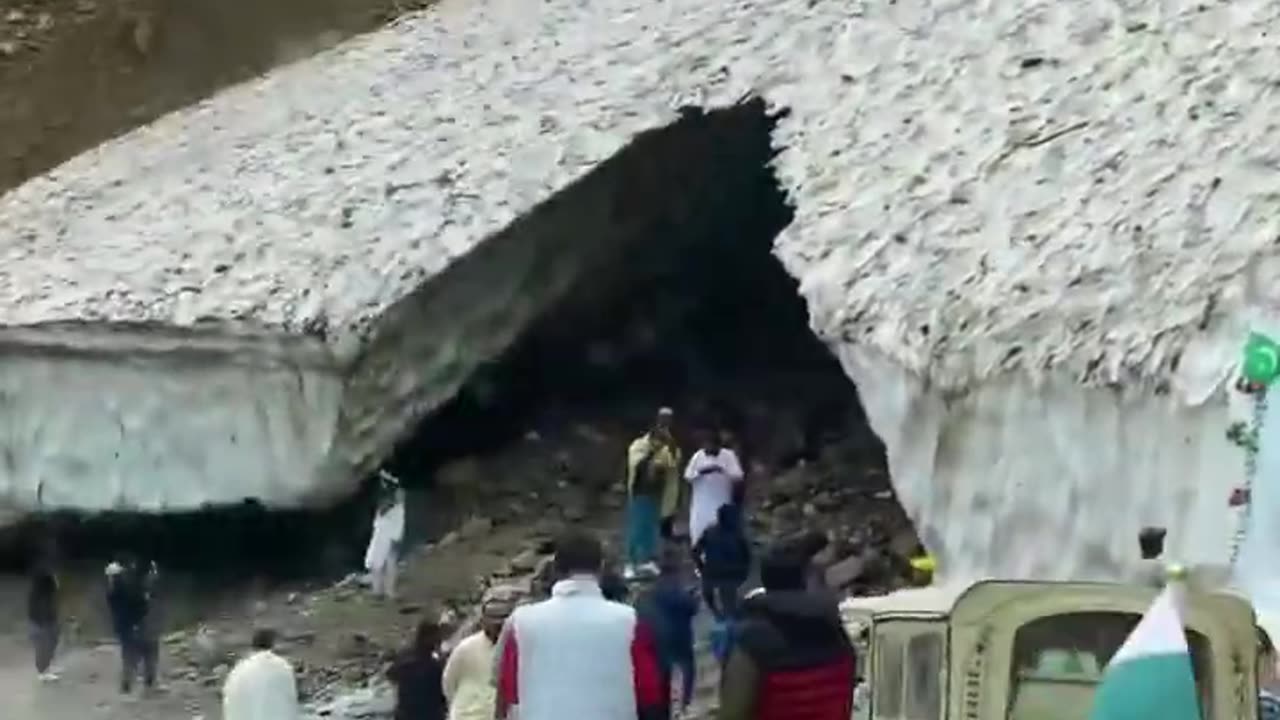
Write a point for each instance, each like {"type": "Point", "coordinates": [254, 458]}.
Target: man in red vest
{"type": "Point", "coordinates": [791, 658]}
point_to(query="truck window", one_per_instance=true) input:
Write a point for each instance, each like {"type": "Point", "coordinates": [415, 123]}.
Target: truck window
{"type": "Point", "coordinates": [886, 697]}
{"type": "Point", "coordinates": [924, 677]}
{"type": "Point", "coordinates": [907, 673]}
{"type": "Point", "coordinates": [1058, 663]}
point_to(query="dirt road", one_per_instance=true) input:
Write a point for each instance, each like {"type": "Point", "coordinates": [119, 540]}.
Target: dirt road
{"type": "Point", "coordinates": [335, 635]}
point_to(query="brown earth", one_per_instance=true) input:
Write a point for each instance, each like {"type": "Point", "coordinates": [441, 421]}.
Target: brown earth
{"type": "Point", "coordinates": [75, 73]}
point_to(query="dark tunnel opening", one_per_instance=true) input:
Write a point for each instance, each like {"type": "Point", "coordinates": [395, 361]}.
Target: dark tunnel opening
{"type": "Point", "coordinates": [696, 313]}
{"type": "Point", "coordinates": [699, 314]}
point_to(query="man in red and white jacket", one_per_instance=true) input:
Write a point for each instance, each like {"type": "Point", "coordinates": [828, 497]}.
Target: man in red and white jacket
{"type": "Point", "coordinates": [576, 654]}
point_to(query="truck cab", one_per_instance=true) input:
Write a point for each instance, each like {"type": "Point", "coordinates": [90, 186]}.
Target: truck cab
{"type": "Point", "coordinates": [1009, 650]}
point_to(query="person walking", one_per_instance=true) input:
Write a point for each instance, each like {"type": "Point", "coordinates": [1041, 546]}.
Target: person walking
{"type": "Point", "coordinates": [418, 676]}
{"type": "Point", "coordinates": [668, 609]}
{"type": "Point", "coordinates": [152, 626]}
{"type": "Point", "coordinates": [713, 472]}
{"type": "Point", "coordinates": [576, 654]}
{"type": "Point", "coordinates": [42, 613]}
{"type": "Point", "coordinates": [128, 599]}
{"type": "Point", "coordinates": [382, 557]}
{"type": "Point", "coordinates": [262, 686]}
{"type": "Point", "coordinates": [468, 674]}
{"type": "Point", "coordinates": [723, 555]}
{"type": "Point", "coordinates": [791, 657]}
{"type": "Point", "coordinates": [653, 493]}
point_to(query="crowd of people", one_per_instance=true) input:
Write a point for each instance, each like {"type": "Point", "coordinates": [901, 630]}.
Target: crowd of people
{"type": "Point", "coordinates": [599, 645]}
{"type": "Point", "coordinates": [615, 646]}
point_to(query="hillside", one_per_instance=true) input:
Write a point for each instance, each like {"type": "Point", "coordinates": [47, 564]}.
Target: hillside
{"type": "Point", "coordinates": [74, 73]}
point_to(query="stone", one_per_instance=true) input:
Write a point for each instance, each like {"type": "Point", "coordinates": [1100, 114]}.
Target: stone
{"type": "Point", "coordinates": [207, 649]}
{"type": "Point", "coordinates": [460, 476]}
{"type": "Point", "coordinates": [526, 561]}
{"type": "Point", "coordinates": [356, 644]}
{"type": "Point", "coordinates": [476, 527]}
{"type": "Point", "coordinates": [304, 637]}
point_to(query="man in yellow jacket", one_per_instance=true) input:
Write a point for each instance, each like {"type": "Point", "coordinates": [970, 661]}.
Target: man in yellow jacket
{"type": "Point", "coordinates": [653, 492]}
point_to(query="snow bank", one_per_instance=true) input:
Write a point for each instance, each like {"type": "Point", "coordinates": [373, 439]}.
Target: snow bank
{"type": "Point", "coordinates": [1032, 232]}
{"type": "Point", "coordinates": [1035, 186]}
{"type": "Point", "coordinates": [156, 421]}
{"type": "Point", "coordinates": [1015, 480]}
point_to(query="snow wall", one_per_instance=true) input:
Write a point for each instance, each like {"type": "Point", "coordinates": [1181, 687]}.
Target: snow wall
{"type": "Point", "coordinates": [1033, 234]}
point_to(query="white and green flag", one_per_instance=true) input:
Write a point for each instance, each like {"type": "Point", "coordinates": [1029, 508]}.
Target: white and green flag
{"type": "Point", "coordinates": [1150, 676]}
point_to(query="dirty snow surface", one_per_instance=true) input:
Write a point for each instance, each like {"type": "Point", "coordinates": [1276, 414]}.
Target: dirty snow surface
{"type": "Point", "coordinates": [314, 198]}
{"type": "Point", "coordinates": [996, 203]}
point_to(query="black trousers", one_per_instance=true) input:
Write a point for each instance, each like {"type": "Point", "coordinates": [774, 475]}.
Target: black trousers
{"type": "Point", "coordinates": [137, 649]}
{"type": "Point", "coordinates": [721, 597]}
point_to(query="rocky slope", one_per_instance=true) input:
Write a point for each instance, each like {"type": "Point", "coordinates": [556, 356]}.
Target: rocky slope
{"type": "Point", "coordinates": [74, 73]}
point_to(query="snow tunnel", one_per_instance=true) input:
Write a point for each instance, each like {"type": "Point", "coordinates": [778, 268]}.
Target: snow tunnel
{"type": "Point", "coordinates": [649, 281]}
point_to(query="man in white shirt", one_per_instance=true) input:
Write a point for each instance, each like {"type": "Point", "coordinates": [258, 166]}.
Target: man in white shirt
{"type": "Point", "coordinates": [382, 558]}
{"type": "Point", "coordinates": [261, 686]}
{"type": "Point", "coordinates": [713, 472]}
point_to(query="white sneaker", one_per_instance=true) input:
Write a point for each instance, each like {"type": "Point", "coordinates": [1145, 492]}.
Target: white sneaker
{"type": "Point", "coordinates": [48, 677]}
{"type": "Point", "coordinates": [650, 568]}
{"type": "Point", "coordinates": [629, 572]}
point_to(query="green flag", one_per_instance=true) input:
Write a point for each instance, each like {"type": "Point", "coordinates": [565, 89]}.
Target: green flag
{"type": "Point", "coordinates": [1261, 359]}
{"type": "Point", "coordinates": [1150, 677]}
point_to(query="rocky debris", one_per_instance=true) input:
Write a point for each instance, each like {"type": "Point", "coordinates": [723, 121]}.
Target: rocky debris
{"type": "Point", "coordinates": [353, 689]}
{"type": "Point", "coordinates": [26, 25]}
{"type": "Point", "coordinates": [842, 495]}
{"type": "Point", "coordinates": [475, 527]}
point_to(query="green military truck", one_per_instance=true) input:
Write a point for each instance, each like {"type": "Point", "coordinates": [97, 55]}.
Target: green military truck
{"type": "Point", "coordinates": [1007, 650]}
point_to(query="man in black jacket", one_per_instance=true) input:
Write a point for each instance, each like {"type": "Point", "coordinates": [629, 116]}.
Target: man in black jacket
{"type": "Point", "coordinates": [723, 556]}
{"type": "Point", "coordinates": [418, 674]}
{"type": "Point", "coordinates": [42, 612]}
{"type": "Point", "coordinates": [129, 587]}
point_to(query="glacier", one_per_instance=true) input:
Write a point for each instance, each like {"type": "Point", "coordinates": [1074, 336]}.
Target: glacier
{"type": "Point", "coordinates": [1035, 236]}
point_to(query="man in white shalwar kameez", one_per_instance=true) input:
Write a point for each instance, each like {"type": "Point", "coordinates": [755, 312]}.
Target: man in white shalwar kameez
{"type": "Point", "coordinates": [261, 686]}
{"type": "Point", "coordinates": [712, 472]}
{"type": "Point", "coordinates": [382, 558]}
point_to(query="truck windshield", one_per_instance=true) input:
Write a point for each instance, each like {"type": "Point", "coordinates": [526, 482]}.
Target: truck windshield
{"type": "Point", "coordinates": [1058, 662]}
